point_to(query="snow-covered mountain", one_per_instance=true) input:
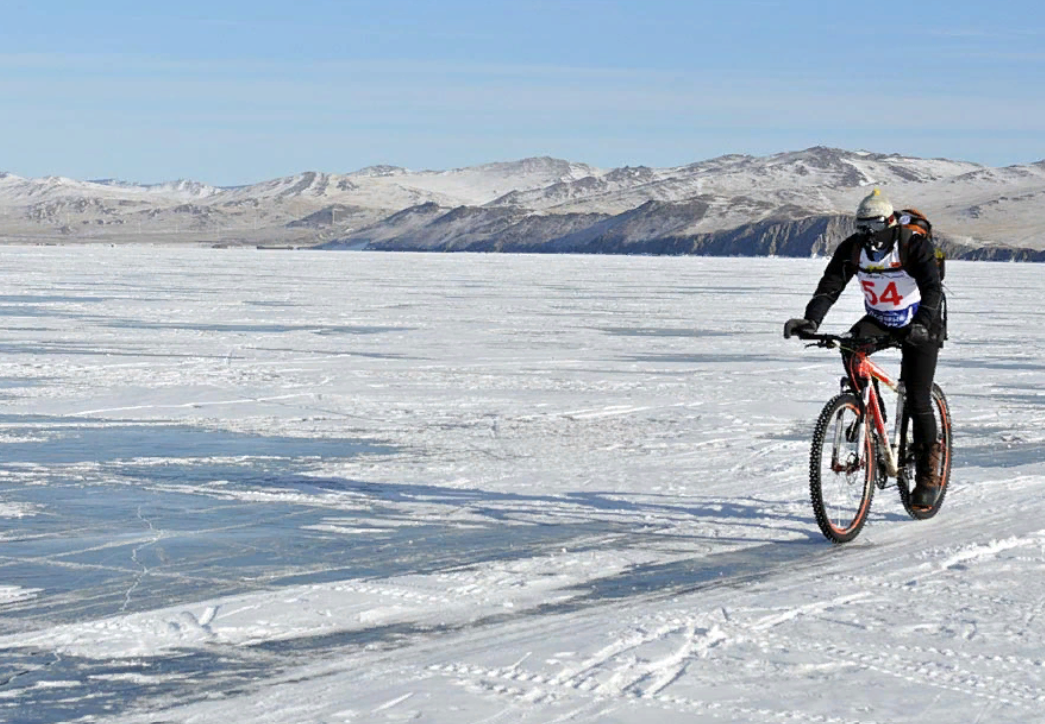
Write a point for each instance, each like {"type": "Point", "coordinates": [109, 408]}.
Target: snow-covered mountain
{"type": "Point", "coordinates": [818, 178]}
{"type": "Point", "coordinates": [496, 205]}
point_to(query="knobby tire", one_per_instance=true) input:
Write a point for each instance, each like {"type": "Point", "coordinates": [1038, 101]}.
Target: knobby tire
{"type": "Point", "coordinates": [841, 486]}
{"type": "Point", "coordinates": [942, 411]}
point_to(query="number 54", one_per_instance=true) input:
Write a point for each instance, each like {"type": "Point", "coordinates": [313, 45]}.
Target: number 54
{"type": "Point", "coordinates": [891, 295]}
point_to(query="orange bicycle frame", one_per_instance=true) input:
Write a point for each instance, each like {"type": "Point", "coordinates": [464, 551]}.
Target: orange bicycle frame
{"type": "Point", "coordinates": [861, 373]}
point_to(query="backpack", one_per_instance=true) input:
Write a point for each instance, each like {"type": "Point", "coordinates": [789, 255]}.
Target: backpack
{"type": "Point", "coordinates": [917, 223]}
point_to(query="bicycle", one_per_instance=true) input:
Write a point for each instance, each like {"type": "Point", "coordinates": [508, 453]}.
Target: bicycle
{"type": "Point", "coordinates": [852, 452]}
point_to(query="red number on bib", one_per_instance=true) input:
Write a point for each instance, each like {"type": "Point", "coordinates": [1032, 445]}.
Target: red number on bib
{"type": "Point", "coordinates": [891, 294]}
{"type": "Point", "coordinates": [872, 298]}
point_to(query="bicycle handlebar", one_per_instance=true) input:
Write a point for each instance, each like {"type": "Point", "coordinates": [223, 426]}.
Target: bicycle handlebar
{"type": "Point", "coordinates": [830, 341]}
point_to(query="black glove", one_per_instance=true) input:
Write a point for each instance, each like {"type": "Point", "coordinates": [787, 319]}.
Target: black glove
{"type": "Point", "coordinates": [917, 335]}
{"type": "Point", "coordinates": [799, 327]}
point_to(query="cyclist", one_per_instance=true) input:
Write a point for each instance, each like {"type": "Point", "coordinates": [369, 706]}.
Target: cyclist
{"type": "Point", "coordinates": [902, 297]}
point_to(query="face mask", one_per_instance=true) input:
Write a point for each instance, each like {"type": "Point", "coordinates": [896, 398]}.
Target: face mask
{"type": "Point", "coordinates": [878, 241]}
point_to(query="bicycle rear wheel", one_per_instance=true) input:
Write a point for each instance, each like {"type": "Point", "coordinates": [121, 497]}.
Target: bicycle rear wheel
{"type": "Point", "coordinates": [841, 471]}
{"type": "Point", "coordinates": [942, 412]}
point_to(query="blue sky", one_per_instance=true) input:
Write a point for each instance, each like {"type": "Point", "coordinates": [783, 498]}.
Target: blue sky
{"type": "Point", "coordinates": [238, 92]}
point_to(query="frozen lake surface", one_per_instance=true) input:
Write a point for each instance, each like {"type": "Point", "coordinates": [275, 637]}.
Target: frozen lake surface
{"type": "Point", "coordinates": [288, 487]}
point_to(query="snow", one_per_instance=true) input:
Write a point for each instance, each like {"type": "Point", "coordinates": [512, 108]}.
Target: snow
{"type": "Point", "coordinates": [287, 487]}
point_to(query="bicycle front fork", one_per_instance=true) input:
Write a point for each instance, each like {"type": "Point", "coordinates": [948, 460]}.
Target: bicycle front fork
{"type": "Point", "coordinates": [890, 449]}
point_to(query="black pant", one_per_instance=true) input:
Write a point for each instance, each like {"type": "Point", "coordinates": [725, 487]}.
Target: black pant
{"type": "Point", "coordinates": [917, 369]}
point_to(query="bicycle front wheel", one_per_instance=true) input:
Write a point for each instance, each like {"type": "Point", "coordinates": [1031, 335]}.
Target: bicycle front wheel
{"type": "Point", "coordinates": [841, 469]}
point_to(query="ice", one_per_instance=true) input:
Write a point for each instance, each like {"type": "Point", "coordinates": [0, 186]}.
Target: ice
{"type": "Point", "coordinates": [241, 485]}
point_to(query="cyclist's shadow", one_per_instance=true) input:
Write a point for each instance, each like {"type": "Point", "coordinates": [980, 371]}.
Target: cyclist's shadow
{"type": "Point", "coordinates": [724, 517]}
{"type": "Point", "coordinates": [725, 553]}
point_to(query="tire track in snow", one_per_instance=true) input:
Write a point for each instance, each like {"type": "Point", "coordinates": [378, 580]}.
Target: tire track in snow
{"type": "Point", "coordinates": [618, 674]}
{"type": "Point", "coordinates": [940, 675]}
{"type": "Point", "coordinates": [696, 642]}
{"type": "Point", "coordinates": [531, 688]}
{"type": "Point", "coordinates": [865, 582]}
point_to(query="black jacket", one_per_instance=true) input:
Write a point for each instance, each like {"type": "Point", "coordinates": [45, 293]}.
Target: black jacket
{"type": "Point", "coordinates": [920, 263]}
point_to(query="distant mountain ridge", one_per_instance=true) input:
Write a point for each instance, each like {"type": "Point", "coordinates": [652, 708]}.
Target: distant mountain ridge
{"type": "Point", "coordinates": [793, 203]}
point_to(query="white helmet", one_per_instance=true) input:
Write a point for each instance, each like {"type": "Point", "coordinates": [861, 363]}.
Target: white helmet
{"type": "Point", "coordinates": [874, 213]}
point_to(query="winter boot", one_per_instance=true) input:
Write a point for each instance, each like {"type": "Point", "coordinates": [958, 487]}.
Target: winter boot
{"type": "Point", "coordinates": [927, 478]}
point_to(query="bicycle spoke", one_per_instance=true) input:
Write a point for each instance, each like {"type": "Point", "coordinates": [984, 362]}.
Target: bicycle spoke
{"type": "Point", "coordinates": [842, 470]}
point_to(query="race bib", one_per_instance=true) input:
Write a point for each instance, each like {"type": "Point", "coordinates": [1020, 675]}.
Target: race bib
{"type": "Point", "coordinates": [891, 295]}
